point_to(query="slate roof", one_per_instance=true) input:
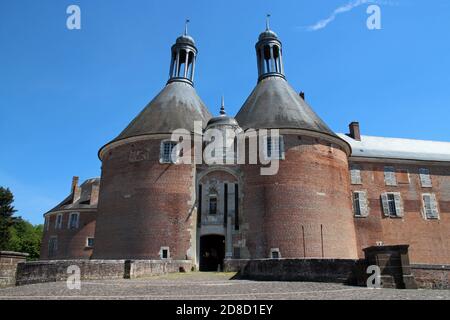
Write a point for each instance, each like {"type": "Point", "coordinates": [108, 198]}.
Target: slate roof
{"type": "Point", "coordinates": [398, 148]}
{"type": "Point", "coordinates": [85, 198]}
{"type": "Point", "coordinates": [177, 106]}
{"type": "Point", "coordinates": [274, 104]}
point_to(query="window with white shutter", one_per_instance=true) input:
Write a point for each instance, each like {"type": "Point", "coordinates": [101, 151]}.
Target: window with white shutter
{"type": "Point", "coordinates": [355, 174]}
{"type": "Point", "coordinates": [430, 206]}
{"type": "Point", "coordinates": [360, 204]}
{"type": "Point", "coordinates": [392, 204]}
{"type": "Point", "coordinates": [425, 178]}
{"type": "Point", "coordinates": [389, 176]}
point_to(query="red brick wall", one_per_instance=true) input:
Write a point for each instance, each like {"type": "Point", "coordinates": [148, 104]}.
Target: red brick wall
{"type": "Point", "coordinates": [71, 242]}
{"type": "Point", "coordinates": [429, 240]}
{"type": "Point", "coordinates": [309, 194]}
{"type": "Point", "coordinates": [143, 205]}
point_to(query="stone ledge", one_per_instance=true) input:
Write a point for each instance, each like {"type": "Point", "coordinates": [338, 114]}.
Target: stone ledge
{"type": "Point", "coordinates": [13, 254]}
{"type": "Point", "coordinates": [431, 266]}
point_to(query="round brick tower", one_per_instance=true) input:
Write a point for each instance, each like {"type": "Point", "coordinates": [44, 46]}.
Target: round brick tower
{"type": "Point", "coordinates": [146, 207]}
{"type": "Point", "coordinates": [304, 210]}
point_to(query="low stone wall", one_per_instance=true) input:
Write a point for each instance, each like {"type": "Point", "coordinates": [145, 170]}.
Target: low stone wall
{"type": "Point", "coordinates": [144, 268]}
{"type": "Point", "coordinates": [56, 270]}
{"type": "Point", "coordinates": [320, 270]}
{"type": "Point", "coordinates": [431, 276]}
{"type": "Point", "coordinates": [8, 266]}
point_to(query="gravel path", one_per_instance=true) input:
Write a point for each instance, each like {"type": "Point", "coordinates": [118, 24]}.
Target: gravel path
{"type": "Point", "coordinates": [216, 286]}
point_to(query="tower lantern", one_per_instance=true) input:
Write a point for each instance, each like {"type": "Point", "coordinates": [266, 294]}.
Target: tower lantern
{"type": "Point", "coordinates": [184, 53]}
{"type": "Point", "coordinates": [269, 54]}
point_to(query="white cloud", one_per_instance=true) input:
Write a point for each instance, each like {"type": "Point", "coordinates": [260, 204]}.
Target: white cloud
{"type": "Point", "coordinates": [342, 9]}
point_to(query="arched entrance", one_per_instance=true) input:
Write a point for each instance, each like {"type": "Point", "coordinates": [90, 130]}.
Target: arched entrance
{"type": "Point", "coordinates": [212, 252]}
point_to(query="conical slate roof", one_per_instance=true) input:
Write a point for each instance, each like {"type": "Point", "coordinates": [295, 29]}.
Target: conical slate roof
{"type": "Point", "coordinates": [177, 106]}
{"type": "Point", "coordinates": [274, 104]}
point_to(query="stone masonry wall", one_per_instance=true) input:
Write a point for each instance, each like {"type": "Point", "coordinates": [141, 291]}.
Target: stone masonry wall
{"type": "Point", "coordinates": [56, 270]}
{"type": "Point", "coordinates": [8, 266]}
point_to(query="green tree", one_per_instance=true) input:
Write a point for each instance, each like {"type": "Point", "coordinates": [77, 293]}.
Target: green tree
{"type": "Point", "coordinates": [6, 217]}
{"type": "Point", "coordinates": [24, 237]}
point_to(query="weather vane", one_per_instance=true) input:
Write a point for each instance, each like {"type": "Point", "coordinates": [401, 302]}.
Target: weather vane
{"type": "Point", "coordinates": [186, 27]}
{"type": "Point", "coordinates": [267, 21]}
{"type": "Point", "coordinates": [222, 108]}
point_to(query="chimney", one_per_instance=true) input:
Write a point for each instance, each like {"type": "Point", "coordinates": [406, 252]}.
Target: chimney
{"type": "Point", "coordinates": [94, 194]}
{"type": "Point", "coordinates": [355, 133]}
{"type": "Point", "coordinates": [302, 95]}
{"type": "Point", "coordinates": [75, 189]}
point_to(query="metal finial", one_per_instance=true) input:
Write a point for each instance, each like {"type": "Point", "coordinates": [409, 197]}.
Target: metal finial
{"type": "Point", "coordinates": [267, 22]}
{"type": "Point", "coordinates": [186, 27]}
{"type": "Point", "coordinates": [222, 108]}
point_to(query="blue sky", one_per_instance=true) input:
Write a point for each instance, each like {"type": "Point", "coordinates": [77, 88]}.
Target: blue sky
{"type": "Point", "coordinates": [65, 93]}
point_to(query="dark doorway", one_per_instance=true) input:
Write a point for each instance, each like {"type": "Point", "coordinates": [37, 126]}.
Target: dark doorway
{"type": "Point", "coordinates": [212, 252]}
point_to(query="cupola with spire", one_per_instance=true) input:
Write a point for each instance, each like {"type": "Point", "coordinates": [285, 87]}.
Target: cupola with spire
{"type": "Point", "coordinates": [223, 120]}
{"type": "Point", "coordinates": [269, 54]}
{"type": "Point", "coordinates": [274, 104]}
{"type": "Point", "coordinates": [178, 105]}
{"type": "Point", "coordinates": [184, 53]}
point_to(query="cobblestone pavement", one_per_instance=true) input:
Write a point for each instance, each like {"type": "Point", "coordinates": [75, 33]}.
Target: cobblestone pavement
{"type": "Point", "coordinates": [214, 286]}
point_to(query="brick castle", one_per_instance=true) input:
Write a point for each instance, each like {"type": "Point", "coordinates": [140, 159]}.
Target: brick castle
{"type": "Point", "coordinates": [333, 196]}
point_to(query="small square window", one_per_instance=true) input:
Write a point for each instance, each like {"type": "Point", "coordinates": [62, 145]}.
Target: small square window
{"type": "Point", "coordinates": [275, 253]}
{"type": "Point", "coordinates": [90, 242]}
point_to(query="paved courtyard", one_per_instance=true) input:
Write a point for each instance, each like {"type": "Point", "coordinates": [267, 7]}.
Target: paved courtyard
{"type": "Point", "coordinates": [217, 286]}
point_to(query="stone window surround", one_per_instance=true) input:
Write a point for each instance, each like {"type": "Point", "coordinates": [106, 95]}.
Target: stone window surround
{"type": "Point", "coordinates": [275, 250]}
{"type": "Point", "coordinates": [161, 251]}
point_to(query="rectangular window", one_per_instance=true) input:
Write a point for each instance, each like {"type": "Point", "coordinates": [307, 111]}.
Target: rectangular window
{"type": "Point", "coordinates": [389, 176]}
{"type": "Point", "coordinates": [360, 206]}
{"type": "Point", "coordinates": [73, 220]}
{"type": "Point", "coordinates": [392, 204]}
{"type": "Point", "coordinates": [58, 222]}
{"type": "Point", "coordinates": [274, 148]}
{"type": "Point", "coordinates": [164, 253]}
{"type": "Point", "coordinates": [90, 242]}
{"type": "Point", "coordinates": [355, 174]}
{"type": "Point", "coordinates": [356, 204]}
{"type": "Point", "coordinates": [52, 246]}
{"type": "Point", "coordinates": [167, 148]}
{"type": "Point", "coordinates": [213, 205]}
{"type": "Point", "coordinates": [430, 208]}
{"type": "Point", "coordinates": [47, 223]}
{"type": "Point", "coordinates": [425, 178]}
